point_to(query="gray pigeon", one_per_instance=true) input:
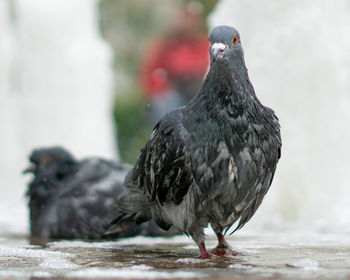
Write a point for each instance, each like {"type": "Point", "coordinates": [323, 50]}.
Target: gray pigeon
{"type": "Point", "coordinates": [74, 199]}
{"type": "Point", "coordinates": [211, 161]}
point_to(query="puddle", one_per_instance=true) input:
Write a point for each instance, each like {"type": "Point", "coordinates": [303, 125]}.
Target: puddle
{"type": "Point", "coordinates": [276, 253]}
{"type": "Point", "coordinates": [282, 255]}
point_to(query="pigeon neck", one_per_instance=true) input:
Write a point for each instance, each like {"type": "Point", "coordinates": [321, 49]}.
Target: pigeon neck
{"type": "Point", "coordinates": [231, 83]}
{"type": "Point", "coordinates": [224, 86]}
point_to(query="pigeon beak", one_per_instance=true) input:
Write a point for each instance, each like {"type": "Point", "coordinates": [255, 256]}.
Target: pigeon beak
{"type": "Point", "coordinates": [217, 50]}
{"type": "Point", "coordinates": [30, 169]}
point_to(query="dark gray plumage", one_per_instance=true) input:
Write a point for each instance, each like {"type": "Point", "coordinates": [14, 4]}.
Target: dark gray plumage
{"type": "Point", "coordinates": [76, 199]}
{"type": "Point", "coordinates": [211, 161]}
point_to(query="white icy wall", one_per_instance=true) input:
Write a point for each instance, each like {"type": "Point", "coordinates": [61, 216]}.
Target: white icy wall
{"type": "Point", "coordinates": [9, 140]}
{"type": "Point", "coordinates": [56, 84]}
{"type": "Point", "coordinates": [298, 57]}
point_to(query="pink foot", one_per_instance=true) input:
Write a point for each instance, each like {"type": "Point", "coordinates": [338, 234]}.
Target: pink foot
{"type": "Point", "coordinates": [219, 252]}
{"type": "Point", "coordinates": [223, 247]}
{"type": "Point", "coordinates": [204, 252]}
{"type": "Point", "coordinates": [222, 250]}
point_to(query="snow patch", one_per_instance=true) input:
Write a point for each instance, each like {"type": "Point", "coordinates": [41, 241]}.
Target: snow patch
{"type": "Point", "coordinates": [49, 259]}
{"type": "Point", "coordinates": [239, 266]}
{"type": "Point", "coordinates": [141, 267]}
{"type": "Point", "coordinates": [306, 264]}
{"type": "Point", "coordinates": [31, 253]}
{"type": "Point", "coordinates": [127, 273]}
{"type": "Point", "coordinates": [138, 240]}
{"type": "Point", "coordinates": [190, 260]}
{"type": "Point", "coordinates": [58, 263]}
{"type": "Point", "coordinates": [41, 274]}
{"type": "Point", "coordinates": [82, 244]}
{"type": "Point", "coordinates": [246, 250]}
{"type": "Point", "coordinates": [141, 240]}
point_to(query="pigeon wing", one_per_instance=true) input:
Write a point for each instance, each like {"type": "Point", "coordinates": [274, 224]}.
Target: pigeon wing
{"type": "Point", "coordinates": [162, 170]}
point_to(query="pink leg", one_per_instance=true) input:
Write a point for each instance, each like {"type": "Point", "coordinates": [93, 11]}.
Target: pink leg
{"type": "Point", "coordinates": [223, 247]}
{"type": "Point", "coordinates": [204, 252]}
{"type": "Point", "coordinates": [222, 240]}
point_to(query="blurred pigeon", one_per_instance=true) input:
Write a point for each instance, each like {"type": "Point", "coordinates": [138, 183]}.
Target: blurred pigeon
{"type": "Point", "coordinates": [73, 199]}
{"type": "Point", "coordinates": [211, 161]}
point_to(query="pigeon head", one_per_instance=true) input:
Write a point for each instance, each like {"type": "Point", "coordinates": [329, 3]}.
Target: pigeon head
{"type": "Point", "coordinates": [225, 46]}
{"type": "Point", "coordinates": [54, 161]}
{"type": "Point", "coordinates": [49, 166]}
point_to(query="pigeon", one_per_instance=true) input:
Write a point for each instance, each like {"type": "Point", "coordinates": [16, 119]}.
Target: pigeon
{"type": "Point", "coordinates": [211, 161]}
{"type": "Point", "coordinates": [73, 199]}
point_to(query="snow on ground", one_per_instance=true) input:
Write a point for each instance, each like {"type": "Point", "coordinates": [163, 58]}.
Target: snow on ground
{"type": "Point", "coordinates": [293, 251]}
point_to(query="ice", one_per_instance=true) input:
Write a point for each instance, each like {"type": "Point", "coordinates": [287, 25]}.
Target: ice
{"type": "Point", "coordinates": [305, 264]}
{"type": "Point", "coordinates": [141, 267]}
{"type": "Point", "coordinates": [238, 266]}
{"type": "Point", "coordinates": [138, 240]}
{"type": "Point", "coordinates": [189, 260]}
{"type": "Point", "coordinates": [82, 244]}
{"type": "Point", "coordinates": [127, 273]}
{"type": "Point", "coordinates": [50, 259]}
{"type": "Point", "coordinates": [57, 263]}
{"type": "Point", "coordinates": [261, 253]}
{"type": "Point", "coordinates": [41, 274]}
{"type": "Point", "coordinates": [33, 262]}
{"type": "Point", "coordinates": [141, 240]}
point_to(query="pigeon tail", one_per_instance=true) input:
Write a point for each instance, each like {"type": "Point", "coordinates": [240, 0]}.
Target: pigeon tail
{"type": "Point", "coordinates": [120, 223]}
{"type": "Point", "coordinates": [134, 208]}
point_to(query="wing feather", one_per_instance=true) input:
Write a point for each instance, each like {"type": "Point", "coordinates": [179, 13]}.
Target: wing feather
{"type": "Point", "coordinates": [162, 171]}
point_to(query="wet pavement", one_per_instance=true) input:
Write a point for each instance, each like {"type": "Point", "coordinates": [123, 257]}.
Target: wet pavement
{"type": "Point", "coordinates": [285, 254]}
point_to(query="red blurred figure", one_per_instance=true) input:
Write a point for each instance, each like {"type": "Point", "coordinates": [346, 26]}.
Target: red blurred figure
{"type": "Point", "coordinates": [174, 67]}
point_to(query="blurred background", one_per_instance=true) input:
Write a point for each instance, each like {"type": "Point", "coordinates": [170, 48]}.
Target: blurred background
{"type": "Point", "coordinates": [95, 76]}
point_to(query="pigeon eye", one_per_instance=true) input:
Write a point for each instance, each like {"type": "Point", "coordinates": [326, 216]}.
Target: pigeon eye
{"type": "Point", "coordinates": [235, 40]}
{"type": "Point", "coordinates": [46, 160]}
